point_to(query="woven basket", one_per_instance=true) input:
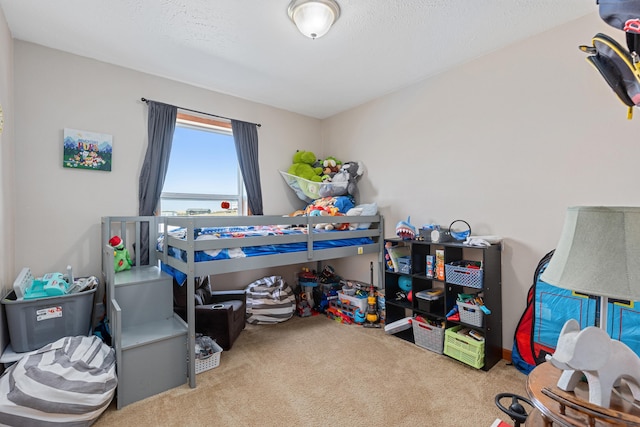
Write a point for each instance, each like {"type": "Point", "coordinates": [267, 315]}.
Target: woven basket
{"type": "Point", "coordinates": [470, 277]}
{"type": "Point", "coordinates": [428, 336]}
{"type": "Point", "coordinates": [213, 361]}
{"type": "Point", "coordinates": [470, 313]}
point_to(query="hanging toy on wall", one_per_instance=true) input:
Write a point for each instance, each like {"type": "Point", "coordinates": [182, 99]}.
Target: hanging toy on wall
{"type": "Point", "coordinates": [618, 66]}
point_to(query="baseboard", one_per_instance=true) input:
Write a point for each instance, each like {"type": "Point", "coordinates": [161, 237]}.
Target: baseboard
{"type": "Point", "coordinates": [506, 354]}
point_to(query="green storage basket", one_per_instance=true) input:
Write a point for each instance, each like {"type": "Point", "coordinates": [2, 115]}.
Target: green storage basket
{"type": "Point", "coordinates": [463, 348]}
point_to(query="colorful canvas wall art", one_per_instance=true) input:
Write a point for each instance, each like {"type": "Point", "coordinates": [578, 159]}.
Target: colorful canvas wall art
{"type": "Point", "coordinates": [87, 150]}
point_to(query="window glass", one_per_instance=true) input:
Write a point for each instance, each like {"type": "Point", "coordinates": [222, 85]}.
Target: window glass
{"type": "Point", "coordinates": [203, 177]}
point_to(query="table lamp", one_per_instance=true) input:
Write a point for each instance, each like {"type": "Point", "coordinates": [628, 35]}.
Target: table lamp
{"type": "Point", "coordinates": [598, 254]}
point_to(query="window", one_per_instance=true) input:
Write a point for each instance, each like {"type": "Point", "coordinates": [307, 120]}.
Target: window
{"type": "Point", "coordinates": [203, 177]}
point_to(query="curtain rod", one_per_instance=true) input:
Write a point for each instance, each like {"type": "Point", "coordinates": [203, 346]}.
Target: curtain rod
{"type": "Point", "coordinates": [200, 112]}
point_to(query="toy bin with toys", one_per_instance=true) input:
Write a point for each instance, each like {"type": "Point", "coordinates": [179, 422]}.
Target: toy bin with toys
{"type": "Point", "coordinates": [357, 300]}
{"type": "Point", "coordinates": [34, 323]}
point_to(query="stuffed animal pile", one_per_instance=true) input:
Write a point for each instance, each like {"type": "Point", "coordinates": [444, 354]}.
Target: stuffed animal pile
{"type": "Point", "coordinates": [338, 206]}
{"type": "Point", "coordinates": [330, 206]}
{"type": "Point", "coordinates": [330, 188]}
{"type": "Point", "coordinates": [340, 177]}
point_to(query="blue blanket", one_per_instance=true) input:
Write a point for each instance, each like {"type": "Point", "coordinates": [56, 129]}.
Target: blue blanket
{"type": "Point", "coordinates": [249, 251]}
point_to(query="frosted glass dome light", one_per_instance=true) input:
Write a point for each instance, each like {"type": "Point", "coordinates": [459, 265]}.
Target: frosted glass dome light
{"type": "Point", "coordinates": [314, 18]}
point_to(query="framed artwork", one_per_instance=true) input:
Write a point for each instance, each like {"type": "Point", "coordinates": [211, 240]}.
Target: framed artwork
{"type": "Point", "coordinates": [87, 150]}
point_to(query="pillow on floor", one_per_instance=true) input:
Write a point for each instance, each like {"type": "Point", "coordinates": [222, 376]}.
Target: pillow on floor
{"type": "Point", "coordinates": [269, 300]}
{"type": "Point", "coordinates": [68, 382]}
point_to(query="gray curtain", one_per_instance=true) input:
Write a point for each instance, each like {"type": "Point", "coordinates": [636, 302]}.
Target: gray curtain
{"type": "Point", "coordinates": [161, 124]}
{"type": "Point", "coordinates": [245, 136]}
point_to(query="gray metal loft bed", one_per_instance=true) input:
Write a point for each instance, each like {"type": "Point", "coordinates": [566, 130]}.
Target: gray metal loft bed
{"type": "Point", "coordinates": [255, 242]}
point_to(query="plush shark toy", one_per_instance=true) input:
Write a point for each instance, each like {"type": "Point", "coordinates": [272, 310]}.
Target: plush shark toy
{"type": "Point", "coordinates": [405, 230]}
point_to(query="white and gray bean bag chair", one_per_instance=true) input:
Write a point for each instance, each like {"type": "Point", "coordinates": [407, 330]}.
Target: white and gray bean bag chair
{"type": "Point", "coordinates": [269, 300]}
{"type": "Point", "coordinates": [69, 382]}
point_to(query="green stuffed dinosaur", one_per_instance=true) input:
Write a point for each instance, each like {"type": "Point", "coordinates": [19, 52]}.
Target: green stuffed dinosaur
{"type": "Point", "coordinates": [121, 259]}
{"type": "Point", "coordinates": [303, 166]}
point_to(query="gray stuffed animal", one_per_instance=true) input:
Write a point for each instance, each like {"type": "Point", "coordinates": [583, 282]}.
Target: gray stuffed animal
{"type": "Point", "coordinates": [350, 172]}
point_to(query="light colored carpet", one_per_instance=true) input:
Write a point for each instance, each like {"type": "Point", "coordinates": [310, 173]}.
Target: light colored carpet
{"type": "Point", "coordinates": [317, 372]}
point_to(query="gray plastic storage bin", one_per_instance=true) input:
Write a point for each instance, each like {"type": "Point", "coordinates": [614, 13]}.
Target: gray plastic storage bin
{"type": "Point", "coordinates": [37, 322]}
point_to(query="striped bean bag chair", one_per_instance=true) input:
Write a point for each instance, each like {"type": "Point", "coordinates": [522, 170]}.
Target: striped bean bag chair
{"type": "Point", "coordinates": [269, 300]}
{"type": "Point", "coordinates": [69, 382]}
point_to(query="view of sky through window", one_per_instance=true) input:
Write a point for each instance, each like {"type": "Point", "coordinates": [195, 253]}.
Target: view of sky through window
{"type": "Point", "coordinates": [201, 162]}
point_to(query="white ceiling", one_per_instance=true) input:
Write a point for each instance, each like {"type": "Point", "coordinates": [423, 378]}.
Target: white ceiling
{"type": "Point", "coordinates": [250, 48]}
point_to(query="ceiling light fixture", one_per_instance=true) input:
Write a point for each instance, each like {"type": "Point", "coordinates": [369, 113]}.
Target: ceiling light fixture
{"type": "Point", "coordinates": [314, 18]}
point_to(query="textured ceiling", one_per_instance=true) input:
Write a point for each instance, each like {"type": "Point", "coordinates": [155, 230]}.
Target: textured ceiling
{"type": "Point", "coordinates": [250, 48]}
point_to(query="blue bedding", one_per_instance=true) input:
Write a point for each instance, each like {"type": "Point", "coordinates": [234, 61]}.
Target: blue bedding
{"type": "Point", "coordinates": [249, 251]}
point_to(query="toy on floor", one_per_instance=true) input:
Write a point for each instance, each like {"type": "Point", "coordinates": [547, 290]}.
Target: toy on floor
{"type": "Point", "coordinates": [371, 319]}
{"type": "Point", "coordinates": [121, 259]}
{"type": "Point", "coordinates": [303, 307]}
{"type": "Point", "coordinates": [325, 300]}
{"type": "Point", "coordinates": [342, 311]}
{"type": "Point", "coordinates": [398, 325]}
{"type": "Point", "coordinates": [308, 280]}
{"type": "Point", "coordinates": [516, 410]}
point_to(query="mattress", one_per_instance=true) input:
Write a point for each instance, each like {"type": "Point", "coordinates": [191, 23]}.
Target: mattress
{"type": "Point", "coordinates": [214, 233]}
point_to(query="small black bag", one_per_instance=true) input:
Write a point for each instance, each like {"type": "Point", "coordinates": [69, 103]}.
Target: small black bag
{"type": "Point", "coordinates": [621, 14]}
{"type": "Point", "coordinates": [617, 65]}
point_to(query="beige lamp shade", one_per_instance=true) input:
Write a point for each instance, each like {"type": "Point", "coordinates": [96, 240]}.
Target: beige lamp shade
{"type": "Point", "coordinates": [598, 252]}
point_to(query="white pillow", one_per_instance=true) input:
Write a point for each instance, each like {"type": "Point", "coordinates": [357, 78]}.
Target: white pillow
{"type": "Point", "coordinates": [211, 252]}
{"type": "Point", "coordinates": [362, 210]}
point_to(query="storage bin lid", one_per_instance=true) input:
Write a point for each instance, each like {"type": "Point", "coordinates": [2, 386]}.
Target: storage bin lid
{"type": "Point", "coordinates": [430, 294]}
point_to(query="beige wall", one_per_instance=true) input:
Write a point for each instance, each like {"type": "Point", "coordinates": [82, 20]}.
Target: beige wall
{"type": "Point", "coordinates": [506, 142]}
{"type": "Point", "coordinates": [7, 181]}
{"type": "Point", "coordinates": [57, 209]}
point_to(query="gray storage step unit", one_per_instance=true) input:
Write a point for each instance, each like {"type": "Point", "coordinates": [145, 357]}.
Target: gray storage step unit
{"type": "Point", "coordinates": [149, 338]}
